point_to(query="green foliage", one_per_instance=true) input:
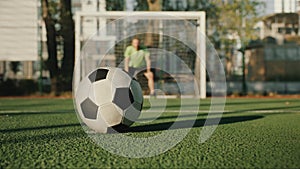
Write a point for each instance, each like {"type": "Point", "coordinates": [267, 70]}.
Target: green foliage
{"type": "Point", "coordinates": [114, 5]}
{"type": "Point", "coordinates": [237, 17]}
{"type": "Point", "coordinates": [54, 9]}
{"type": "Point", "coordinates": [11, 87]}
{"type": "Point", "coordinates": [142, 5]}
{"type": "Point", "coordinates": [45, 133]}
{"type": "Point", "coordinates": [8, 87]}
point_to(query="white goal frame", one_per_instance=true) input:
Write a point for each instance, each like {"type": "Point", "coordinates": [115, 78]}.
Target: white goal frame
{"type": "Point", "coordinates": [200, 17]}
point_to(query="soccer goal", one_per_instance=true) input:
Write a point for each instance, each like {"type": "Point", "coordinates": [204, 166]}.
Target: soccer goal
{"type": "Point", "coordinates": [176, 42]}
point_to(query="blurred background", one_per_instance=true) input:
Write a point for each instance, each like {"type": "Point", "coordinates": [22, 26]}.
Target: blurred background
{"type": "Point", "coordinates": [258, 42]}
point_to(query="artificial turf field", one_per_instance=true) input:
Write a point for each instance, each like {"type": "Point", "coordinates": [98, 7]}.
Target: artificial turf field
{"type": "Point", "coordinates": [253, 133]}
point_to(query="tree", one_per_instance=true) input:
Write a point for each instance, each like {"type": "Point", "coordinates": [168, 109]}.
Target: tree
{"type": "Point", "coordinates": [52, 63]}
{"type": "Point", "coordinates": [236, 19]}
{"type": "Point", "coordinates": [68, 37]}
{"type": "Point", "coordinates": [114, 5]}
{"type": "Point", "coordinates": [154, 5]}
{"type": "Point", "coordinates": [150, 39]}
{"type": "Point", "coordinates": [57, 16]}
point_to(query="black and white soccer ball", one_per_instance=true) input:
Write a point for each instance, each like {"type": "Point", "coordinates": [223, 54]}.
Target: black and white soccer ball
{"type": "Point", "coordinates": [108, 97]}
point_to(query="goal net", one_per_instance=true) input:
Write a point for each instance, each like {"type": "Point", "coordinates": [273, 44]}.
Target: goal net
{"type": "Point", "coordinates": [176, 42]}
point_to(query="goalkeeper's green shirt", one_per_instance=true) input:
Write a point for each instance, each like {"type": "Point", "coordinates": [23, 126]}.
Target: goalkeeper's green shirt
{"type": "Point", "coordinates": [137, 58]}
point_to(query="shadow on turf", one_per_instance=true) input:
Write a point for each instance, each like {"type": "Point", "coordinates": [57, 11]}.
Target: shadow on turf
{"type": "Point", "coordinates": [38, 128]}
{"type": "Point", "coordinates": [43, 136]}
{"type": "Point", "coordinates": [34, 113]}
{"type": "Point", "coordinates": [187, 123]}
{"type": "Point", "coordinates": [145, 128]}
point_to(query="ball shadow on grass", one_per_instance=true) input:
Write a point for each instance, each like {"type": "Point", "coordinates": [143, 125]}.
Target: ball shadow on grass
{"type": "Point", "coordinates": [186, 124]}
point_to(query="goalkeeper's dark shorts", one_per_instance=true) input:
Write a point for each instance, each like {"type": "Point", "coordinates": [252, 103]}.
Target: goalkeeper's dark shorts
{"type": "Point", "coordinates": [137, 72]}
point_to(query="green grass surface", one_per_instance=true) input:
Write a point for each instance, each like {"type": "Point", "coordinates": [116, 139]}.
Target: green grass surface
{"type": "Point", "coordinates": [253, 133]}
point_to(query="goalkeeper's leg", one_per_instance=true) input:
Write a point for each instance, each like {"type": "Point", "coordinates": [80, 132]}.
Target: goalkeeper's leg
{"type": "Point", "coordinates": [149, 76]}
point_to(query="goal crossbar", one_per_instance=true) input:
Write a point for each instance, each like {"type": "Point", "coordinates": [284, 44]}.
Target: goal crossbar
{"type": "Point", "coordinates": [150, 15]}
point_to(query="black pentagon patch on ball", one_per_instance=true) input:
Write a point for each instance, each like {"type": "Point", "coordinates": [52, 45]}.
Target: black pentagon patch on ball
{"type": "Point", "coordinates": [89, 109]}
{"type": "Point", "coordinates": [123, 98]}
{"type": "Point", "coordinates": [97, 75]}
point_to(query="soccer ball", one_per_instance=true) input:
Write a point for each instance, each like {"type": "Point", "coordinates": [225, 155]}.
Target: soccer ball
{"type": "Point", "coordinates": [107, 98]}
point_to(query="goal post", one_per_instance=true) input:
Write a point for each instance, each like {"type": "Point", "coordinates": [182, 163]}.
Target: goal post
{"type": "Point", "coordinates": [101, 37]}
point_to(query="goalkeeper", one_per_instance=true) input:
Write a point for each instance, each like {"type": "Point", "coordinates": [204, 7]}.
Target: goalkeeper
{"type": "Point", "coordinates": [138, 60]}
